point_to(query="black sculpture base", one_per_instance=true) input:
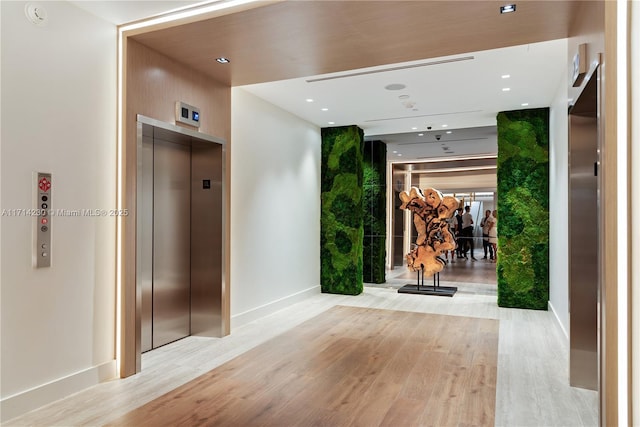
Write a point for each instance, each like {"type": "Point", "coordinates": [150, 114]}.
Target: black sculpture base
{"type": "Point", "coordinates": [436, 289]}
{"type": "Point", "coordinates": [443, 291]}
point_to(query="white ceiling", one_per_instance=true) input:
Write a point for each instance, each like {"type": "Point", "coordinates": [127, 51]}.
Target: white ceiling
{"type": "Point", "coordinates": [462, 97]}
{"type": "Point", "coordinates": [463, 92]}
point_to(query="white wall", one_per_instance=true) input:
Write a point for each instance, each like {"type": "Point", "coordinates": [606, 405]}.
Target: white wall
{"type": "Point", "coordinates": [58, 116]}
{"type": "Point", "coordinates": [559, 205]}
{"type": "Point", "coordinates": [275, 208]}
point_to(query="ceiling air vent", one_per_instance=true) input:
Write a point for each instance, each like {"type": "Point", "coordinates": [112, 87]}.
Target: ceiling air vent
{"type": "Point", "coordinates": [384, 70]}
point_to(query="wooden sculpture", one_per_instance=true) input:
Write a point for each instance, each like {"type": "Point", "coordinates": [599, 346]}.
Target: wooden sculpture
{"type": "Point", "coordinates": [431, 210]}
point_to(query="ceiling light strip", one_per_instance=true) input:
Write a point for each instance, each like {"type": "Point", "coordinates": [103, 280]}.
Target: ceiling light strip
{"type": "Point", "coordinates": [384, 70]}
{"type": "Point", "coordinates": [184, 13]}
{"type": "Point", "coordinates": [447, 141]}
{"type": "Point", "coordinates": [460, 169]}
{"type": "Point", "coordinates": [453, 159]}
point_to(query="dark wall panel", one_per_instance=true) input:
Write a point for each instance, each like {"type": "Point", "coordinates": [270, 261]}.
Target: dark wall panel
{"type": "Point", "coordinates": [374, 211]}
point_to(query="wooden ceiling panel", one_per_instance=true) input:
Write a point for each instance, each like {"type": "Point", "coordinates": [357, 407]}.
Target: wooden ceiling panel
{"type": "Point", "coordinates": [302, 38]}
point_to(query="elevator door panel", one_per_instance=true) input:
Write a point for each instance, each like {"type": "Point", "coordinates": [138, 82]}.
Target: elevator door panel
{"type": "Point", "coordinates": [171, 242]}
{"type": "Point", "coordinates": [583, 240]}
{"type": "Point", "coordinates": [207, 242]}
{"type": "Point", "coordinates": [145, 241]}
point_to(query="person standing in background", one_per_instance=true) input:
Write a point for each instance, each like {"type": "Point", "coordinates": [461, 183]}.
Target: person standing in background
{"type": "Point", "coordinates": [467, 232]}
{"type": "Point", "coordinates": [493, 234]}
{"type": "Point", "coordinates": [458, 233]}
{"type": "Point", "coordinates": [486, 246]}
{"type": "Point", "coordinates": [452, 228]}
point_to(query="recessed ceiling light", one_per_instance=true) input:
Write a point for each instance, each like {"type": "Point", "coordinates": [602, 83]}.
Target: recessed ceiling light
{"type": "Point", "coordinates": [395, 152]}
{"type": "Point", "coordinates": [506, 89]}
{"type": "Point", "coordinates": [421, 134]}
{"type": "Point", "coordinates": [324, 109]}
{"type": "Point", "coordinates": [223, 60]}
{"type": "Point", "coordinates": [508, 8]}
{"type": "Point", "coordinates": [399, 154]}
{"type": "Point", "coordinates": [506, 76]}
{"type": "Point", "coordinates": [395, 86]}
{"type": "Point", "coordinates": [332, 123]}
{"type": "Point", "coordinates": [309, 100]}
{"type": "Point", "coordinates": [448, 131]}
{"type": "Point", "coordinates": [414, 128]}
{"type": "Point", "coordinates": [525, 104]}
{"type": "Point", "coordinates": [444, 126]}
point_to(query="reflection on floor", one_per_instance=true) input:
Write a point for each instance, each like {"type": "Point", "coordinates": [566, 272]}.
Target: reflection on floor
{"type": "Point", "coordinates": [475, 277]}
{"type": "Point", "coordinates": [532, 385]}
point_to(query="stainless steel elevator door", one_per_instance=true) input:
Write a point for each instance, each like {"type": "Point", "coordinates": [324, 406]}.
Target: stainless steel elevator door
{"type": "Point", "coordinates": [171, 241]}
{"type": "Point", "coordinates": [583, 240]}
{"type": "Point", "coordinates": [179, 235]}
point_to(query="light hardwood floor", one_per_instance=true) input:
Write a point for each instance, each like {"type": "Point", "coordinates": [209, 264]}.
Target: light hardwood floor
{"type": "Point", "coordinates": [532, 380]}
{"type": "Point", "coordinates": [349, 366]}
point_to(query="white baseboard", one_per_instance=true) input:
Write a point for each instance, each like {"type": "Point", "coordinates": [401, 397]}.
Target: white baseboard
{"type": "Point", "coordinates": [23, 402]}
{"type": "Point", "coordinates": [553, 310]}
{"type": "Point", "coordinates": [243, 318]}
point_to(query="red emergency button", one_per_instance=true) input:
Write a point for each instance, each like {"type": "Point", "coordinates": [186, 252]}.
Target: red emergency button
{"type": "Point", "coordinates": [44, 184]}
{"type": "Point", "coordinates": [44, 221]}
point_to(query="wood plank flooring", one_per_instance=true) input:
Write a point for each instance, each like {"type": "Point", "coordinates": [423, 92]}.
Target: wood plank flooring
{"type": "Point", "coordinates": [532, 384]}
{"type": "Point", "coordinates": [348, 366]}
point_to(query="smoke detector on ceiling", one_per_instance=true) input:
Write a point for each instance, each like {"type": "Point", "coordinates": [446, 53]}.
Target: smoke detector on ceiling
{"type": "Point", "coordinates": [395, 86]}
{"type": "Point", "coordinates": [37, 15]}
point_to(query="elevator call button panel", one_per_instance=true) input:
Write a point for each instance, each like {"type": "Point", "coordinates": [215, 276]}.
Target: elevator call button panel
{"type": "Point", "coordinates": [42, 250]}
{"type": "Point", "coordinates": [187, 114]}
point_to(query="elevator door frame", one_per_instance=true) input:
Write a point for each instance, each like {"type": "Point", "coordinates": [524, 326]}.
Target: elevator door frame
{"type": "Point", "coordinates": [198, 141]}
{"type": "Point", "coordinates": [585, 305]}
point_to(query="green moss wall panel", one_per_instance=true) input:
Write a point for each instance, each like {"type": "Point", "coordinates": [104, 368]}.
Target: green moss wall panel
{"type": "Point", "coordinates": [523, 209]}
{"type": "Point", "coordinates": [374, 211]}
{"type": "Point", "coordinates": [341, 222]}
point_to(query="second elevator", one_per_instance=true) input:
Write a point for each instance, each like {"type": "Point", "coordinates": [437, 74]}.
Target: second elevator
{"type": "Point", "coordinates": [180, 236]}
